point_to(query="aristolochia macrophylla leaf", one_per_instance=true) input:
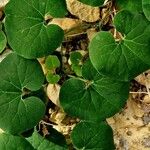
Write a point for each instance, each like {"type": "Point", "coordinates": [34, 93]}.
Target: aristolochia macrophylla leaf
{"type": "Point", "coordinates": [94, 99]}
{"type": "Point", "coordinates": [128, 57]}
{"type": "Point", "coordinates": [93, 2]}
{"type": "Point", "coordinates": [146, 8]}
{"type": "Point", "coordinates": [41, 143]}
{"type": "Point", "coordinates": [93, 136]}
{"type": "Point", "coordinates": [18, 74]}
{"type": "Point", "coordinates": [27, 30]}
{"type": "Point", "coordinates": [131, 5]}
{"type": "Point", "coordinates": [10, 142]}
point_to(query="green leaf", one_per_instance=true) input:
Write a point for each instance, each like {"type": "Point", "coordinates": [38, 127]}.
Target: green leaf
{"type": "Point", "coordinates": [94, 99]}
{"type": "Point", "coordinates": [146, 8]}
{"type": "Point", "coordinates": [93, 136]}
{"type": "Point", "coordinates": [127, 58]}
{"type": "Point", "coordinates": [41, 143]}
{"type": "Point", "coordinates": [75, 57]}
{"type": "Point", "coordinates": [52, 62]}
{"type": "Point", "coordinates": [17, 74]}
{"type": "Point", "coordinates": [77, 69]}
{"type": "Point", "coordinates": [10, 142]}
{"type": "Point", "coordinates": [3, 41]}
{"type": "Point", "coordinates": [131, 5]}
{"type": "Point", "coordinates": [52, 78]}
{"type": "Point", "coordinates": [26, 29]}
{"type": "Point", "coordinates": [93, 2]}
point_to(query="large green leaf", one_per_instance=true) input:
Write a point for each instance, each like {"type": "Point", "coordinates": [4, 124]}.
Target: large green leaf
{"type": "Point", "coordinates": [93, 2]}
{"type": "Point", "coordinates": [10, 142]}
{"type": "Point", "coordinates": [132, 5]}
{"type": "Point", "coordinates": [26, 29]}
{"type": "Point", "coordinates": [3, 41]}
{"type": "Point", "coordinates": [17, 74]}
{"type": "Point", "coordinates": [93, 136]}
{"type": "Point", "coordinates": [94, 99]}
{"type": "Point", "coordinates": [127, 58]}
{"type": "Point", "coordinates": [146, 8]}
{"type": "Point", "coordinates": [41, 143]}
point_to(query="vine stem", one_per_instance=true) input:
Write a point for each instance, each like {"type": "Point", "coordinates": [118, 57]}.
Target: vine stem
{"type": "Point", "coordinates": [84, 80]}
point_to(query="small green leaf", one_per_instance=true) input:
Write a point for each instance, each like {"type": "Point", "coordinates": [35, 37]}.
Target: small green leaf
{"type": "Point", "coordinates": [127, 58]}
{"type": "Point", "coordinates": [131, 5]}
{"type": "Point", "coordinates": [93, 2]}
{"type": "Point", "coordinates": [17, 74]}
{"type": "Point", "coordinates": [3, 41]}
{"type": "Point", "coordinates": [75, 57]}
{"type": "Point", "coordinates": [26, 28]}
{"type": "Point", "coordinates": [41, 143]}
{"type": "Point", "coordinates": [93, 136]}
{"type": "Point", "coordinates": [10, 142]}
{"type": "Point", "coordinates": [146, 8]}
{"type": "Point", "coordinates": [77, 69]}
{"type": "Point", "coordinates": [52, 78]}
{"type": "Point", "coordinates": [52, 62]}
{"type": "Point", "coordinates": [94, 99]}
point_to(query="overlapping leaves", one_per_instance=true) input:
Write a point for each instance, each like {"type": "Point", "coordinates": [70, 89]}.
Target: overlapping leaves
{"type": "Point", "coordinates": [27, 31]}
{"type": "Point", "coordinates": [146, 8]}
{"type": "Point", "coordinates": [10, 142]}
{"type": "Point", "coordinates": [131, 5]}
{"type": "Point", "coordinates": [41, 143]}
{"type": "Point", "coordinates": [17, 75]}
{"type": "Point", "coordinates": [96, 98]}
{"type": "Point", "coordinates": [128, 57]}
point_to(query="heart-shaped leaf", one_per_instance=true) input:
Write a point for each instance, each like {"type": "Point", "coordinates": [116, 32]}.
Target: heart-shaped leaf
{"type": "Point", "coordinates": [127, 58]}
{"type": "Point", "coordinates": [26, 28]}
{"type": "Point", "coordinates": [94, 99]}
{"type": "Point", "coordinates": [146, 8]}
{"type": "Point", "coordinates": [93, 136]}
{"type": "Point", "coordinates": [18, 74]}
{"type": "Point", "coordinates": [10, 142]}
{"type": "Point", "coordinates": [3, 41]}
{"type": "Point", "coordinates": [93, 2]}
{"type": "Point", "coordinates": [41, 143]}
{"type": "Point", "coordinates": [131, 5]}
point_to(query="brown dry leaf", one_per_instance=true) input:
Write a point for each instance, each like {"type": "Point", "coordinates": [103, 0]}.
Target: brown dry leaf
{"type": "Point", "coordinates": [91, 33]}
{"type": "Point", "coordinates": [3, 3]}
{"type": "Point", "coordinates": [144, 80]}
{"type": "Point", "coordinates": [146, 99]}
{"type": "Point", "coordinates": [129, 129]}
{"type": "Point", "coordinates": [42, 63]}
{"type": "Point", "coordinates": [67, 23]}
{"type": "Point", "coordinates": [53, 93]}
{"type": "Point", "coordinates": [82, 11]}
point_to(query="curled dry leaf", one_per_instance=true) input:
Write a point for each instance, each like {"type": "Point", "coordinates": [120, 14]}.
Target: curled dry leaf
{"type": "Point", "coordinates": [66, 23]}
{"type": "Point", "coordinates": [90, 33]}
{"type": "Point", "coordinates": [3, 3]}
{"type": "Point", "coordinates": [42, 63]}
{"type": "Point", "coordinates": [146, 99]}
{"type": "Point", "coordinates": [144, 79]}
{"type": "Point", "coordinates": [82, 11]}
{"type": "Point", "coordinates": [53, 93]}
